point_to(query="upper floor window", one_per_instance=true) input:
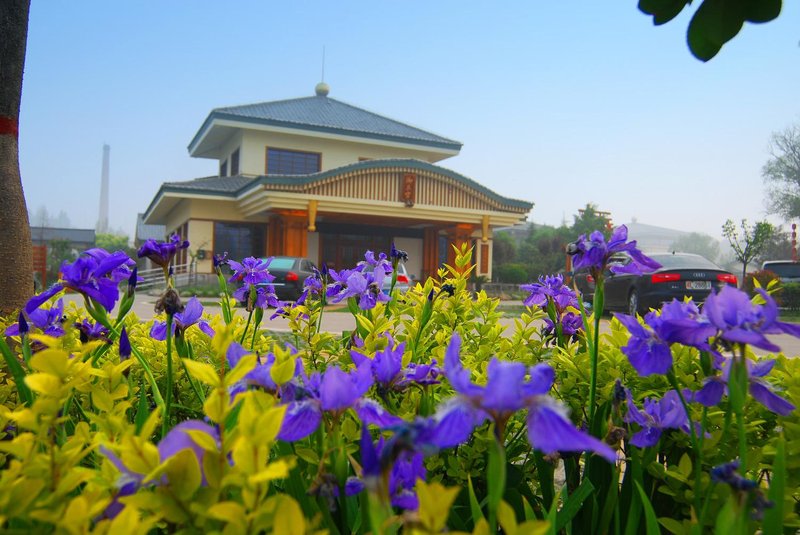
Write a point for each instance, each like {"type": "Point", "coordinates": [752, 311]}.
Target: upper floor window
{"type": "Point", "coordinates": [223, 168]}
{"type": "Point", "coordinates": [235, 163]}
{"type": "Point", "coordinates": [292, 162]}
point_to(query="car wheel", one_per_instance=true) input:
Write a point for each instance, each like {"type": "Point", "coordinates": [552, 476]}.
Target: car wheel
{"type": "Point", "coordinates": [633, 303]}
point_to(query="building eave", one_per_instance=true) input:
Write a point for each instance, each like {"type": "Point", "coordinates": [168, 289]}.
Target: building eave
{"type": "Point", "coordinates": [222, 119]}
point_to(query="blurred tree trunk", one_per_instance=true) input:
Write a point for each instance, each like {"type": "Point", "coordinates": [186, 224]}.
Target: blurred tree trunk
{"type": "Point", "coordinates": [16, 268]}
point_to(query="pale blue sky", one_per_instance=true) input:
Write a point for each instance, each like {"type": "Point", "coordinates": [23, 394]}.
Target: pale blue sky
{"type": "Point", "coordinates": [558, 103]}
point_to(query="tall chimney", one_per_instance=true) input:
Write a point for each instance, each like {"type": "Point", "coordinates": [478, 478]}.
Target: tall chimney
{"type": "Point", "coordinates": [102, 221]}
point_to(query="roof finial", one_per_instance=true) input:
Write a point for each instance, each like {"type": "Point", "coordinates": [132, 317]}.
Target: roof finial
{"type": "Point", "coordinates": [322, 88]}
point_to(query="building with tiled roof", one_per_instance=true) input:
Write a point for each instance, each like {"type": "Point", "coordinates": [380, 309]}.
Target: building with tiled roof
{"type": "Point", "coordinates": [320, 178]}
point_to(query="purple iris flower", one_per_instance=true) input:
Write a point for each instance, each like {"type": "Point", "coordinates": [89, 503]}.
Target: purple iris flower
{"type": "Point", "coordinates": [332, 392]}
{"type": "Point", "coordinates": [95, 274]}
{"type": "Point", "coordinates": [312, 285]}
{"type": "Point", "coordinates": [173, 443]}
{"type": "Point", "coordinates": [423, 374]}
{"type": "Point", "coordinates": [398, 255]}
{"type": "Point", "coordinates": [404, 467]}
{"type": "Point", "coordinates": [265, 297]}
{"type": "Point", "coordinates": [124, 345]}
{"type": "Point", "coordinates": [367, 288]}
{"type": "Point", "coordinates": [381, 265]}
{"type": "Point", "coordinates": [162, 253]}
{"type": "Point", "coordinates": [251, 271]}
{"type": "Point", "coordinates": [571, 323]}
{"type": "Point", "coordinates": [740, 321]}
{"type": "Point", "coordinates": [220, 260]}
{"type": "Point", "coordinates": [192, 314]}
{"type": "Point", "coordinates": [715, 386]}
{"type": "Point", "coordinates": [727, 473]}
{"type": "Point", "coordinates": [387, 368]}
{"type": "Point", "coordinates": [594, 253]}
{"type": "Point", "coordinates": [260, 376]}
{"type": "Point", "coordinates": [668, 413]}
{"type": "Point", "coordinates": [91, 331]}
{"type": "Point", "coordinates": [386, 365]}
{"type": "Point", "coordinates": [50, 321]}
{"type": "Point", "coordinates": [649, 347]}
{"type": "Point", "coordinates": [550, 288]}
{"type": "Point", "coordinates": [507, 391]}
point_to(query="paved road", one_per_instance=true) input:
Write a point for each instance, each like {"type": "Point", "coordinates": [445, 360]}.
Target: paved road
{"type": "Point", "coordinates": [341, 321]}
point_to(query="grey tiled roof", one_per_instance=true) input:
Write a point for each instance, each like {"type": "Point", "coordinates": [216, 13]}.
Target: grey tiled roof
{"type": "Point", "coordinates": [324, 114]}
{"type": "Point", "coordinates": [231, 186]}
{"type": "Point", "coordinates": [72, 235]}
{"type": "Point", "coordinates": [222, 185]}
{"type": "Point", "coordinates": [148, 232]}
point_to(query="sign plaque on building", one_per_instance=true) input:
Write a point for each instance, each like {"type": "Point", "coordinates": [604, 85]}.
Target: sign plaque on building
{"type": "Point", "coordinates": [408, 189]}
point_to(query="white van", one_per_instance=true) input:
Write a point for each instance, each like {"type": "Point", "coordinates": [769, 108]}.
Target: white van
{"type": "Point", "coordinates": [787, 270]}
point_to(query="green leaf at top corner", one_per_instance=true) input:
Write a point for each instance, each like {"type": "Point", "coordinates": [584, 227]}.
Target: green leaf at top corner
{"type": "Point", "coordinates": [714, 23]}
{"type": "Point", "coordinates": [762, 10]}
{"type": "Point", "coordinates": [662, 11]}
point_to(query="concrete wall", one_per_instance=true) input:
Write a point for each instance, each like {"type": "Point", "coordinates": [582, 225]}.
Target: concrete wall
{"type": "Point", "coordinates": [313, 247]}
{"type": "Point", "coordinates": [335, 153]}
{"type": "Point", "coordinates": [201, 236]}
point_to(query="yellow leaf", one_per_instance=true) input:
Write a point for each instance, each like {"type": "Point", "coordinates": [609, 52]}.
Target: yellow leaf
{"type": "Point", "coordinates": [533, 527]}
{"type": "Point", "coordinates": [212, 468]}
{"type": "Point", "coordinates": [228, 512]}
{"type": "Point", "coordinates": [481, 528]}
{"type": "Point", "coordinates": [507, 518]}
{"type": "Point", "coordinates": [204, 373]}
{"type": "Point", "coordinates": [43, 383]}
{"type": "Point", "coordinates": [245, 366]}
{"type": "Point", "coordinates": [289, 520]}
{"type": "Point", "coordinates": [127, 522]}
{"type": "Point", "coordinates": [276, 470]}
{"type": "Point", "coordinates": [183, 474]}
{"type": "Point", "coordinates": [282, 372]}
{"type": "Point", "coordinates": [434, 504]}
{"type": "Point", "coordinates": [202, 439]}
{"type": "Point", "coordinates": [102, 400]}
{"type": "Point", "coordinates": [51, 361]}
{"type": "Point", "coordinates": [269, 425]}
{"type": "Point", "coordinates": [216, 404]}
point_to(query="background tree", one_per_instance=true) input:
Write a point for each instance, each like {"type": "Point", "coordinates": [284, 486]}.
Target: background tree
{"type": "Point", "coordinates": [504, 249]}
{"type": "Point", "coordinates": [111, 242]}
{"type": "Point", "coordinates": [697, 243]}
{"type": "Point", "coordinates": [715, 22]}
{"type": "Point", "coordinates": [58, 251]}
{"type": "Point", "coordinates": [782, 173]}
{"type": "Point", "coordinates": [777, 247]}
{"type": "Point", "coordinates": [588, 220]}
{"type": "Point", "coordinates": [750, 243]}
{"type": "Point", "coordinates": [16, 270]}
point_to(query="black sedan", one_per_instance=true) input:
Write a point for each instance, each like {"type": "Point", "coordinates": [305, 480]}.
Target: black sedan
{"type": "Point", "coordinates": [681, 275]}
{"type": "Point", "coordinates": [289, 273]}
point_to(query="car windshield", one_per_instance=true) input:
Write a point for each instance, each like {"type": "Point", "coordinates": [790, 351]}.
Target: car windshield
{"type": "Point", "coordinates": [281, 263]}
{"type": "Point", "coordinates": [784, 269]}
{"type": "Point", "coordinates": [682, 261]}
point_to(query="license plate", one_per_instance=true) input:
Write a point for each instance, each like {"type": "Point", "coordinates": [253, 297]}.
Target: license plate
{"type": "Point", "coordinates": [698, 285]}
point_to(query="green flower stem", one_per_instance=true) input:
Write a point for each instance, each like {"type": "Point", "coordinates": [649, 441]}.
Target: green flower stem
{"type": "Point", "coordinates": [197, 390]}
{"type": "Point", "coordinates": [159, 400]}
{"type": "Point", "coordinates": [168, 400]}
{"type": "Point", "coordinates": [427, 312]}
{"type": "Point", "coordinates": [737, 392]}
{"type": "Point", "coordinates": [696, 446]}
{"type": "Point", "coordinates": [246, 326]}
{"type": "Point", "coordinates": [496, 472]}
{"type": "Point", "coordinates": [595, 347]}
{"type": "Point", "coordinates": [224, 298]}
{"type": "Point", "coordinates": [259, 317]}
